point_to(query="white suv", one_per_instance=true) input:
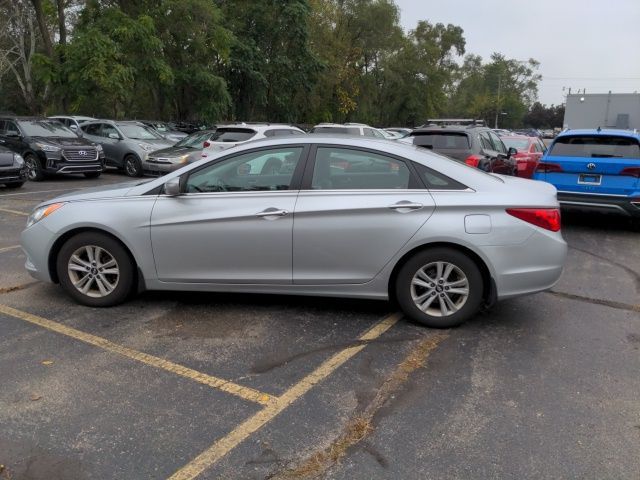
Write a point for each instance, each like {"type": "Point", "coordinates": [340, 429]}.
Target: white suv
{"type": "Point", "coordinates": [348, 129]}
{"type": "Point", "coordinates": [228, 136]}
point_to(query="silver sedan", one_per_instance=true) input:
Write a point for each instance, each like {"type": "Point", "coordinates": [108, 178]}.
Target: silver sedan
{"type": "Point", "coordinates": [343, 217]}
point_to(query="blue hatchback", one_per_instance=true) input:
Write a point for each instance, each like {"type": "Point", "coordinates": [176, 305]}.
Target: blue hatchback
{"type": "Point", "coordinates": [595, 170]}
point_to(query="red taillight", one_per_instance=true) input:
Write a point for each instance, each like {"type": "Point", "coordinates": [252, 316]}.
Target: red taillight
{"type": "Point", "coordinates": [473, 160]}
{"type": "Point", "coordinates": [206, 144]}
{"type": "Point", "coordinates": [548, 218]}
{"type": "Point", "coordinates": [631, 172]}
{"type": "Point", "coordinates": [545, 167]}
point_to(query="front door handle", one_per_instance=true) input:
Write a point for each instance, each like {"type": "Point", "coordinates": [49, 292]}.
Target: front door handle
{"type": "Point", "coordinates": [406, 206]}
{"type": "Point", "coordinates": [272, 212]}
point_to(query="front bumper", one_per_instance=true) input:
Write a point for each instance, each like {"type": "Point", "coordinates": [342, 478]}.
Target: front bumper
{"type": "Point", "coordinates": [55, 163]}
{"type": "Point", "coordinates": [36, 242]}
{"type": "Point", "coordinates": [629, 206]}
{"type": "Point", "coordinates": [159, 166]}
{"type": "Point", "coordinates": [12, 174]}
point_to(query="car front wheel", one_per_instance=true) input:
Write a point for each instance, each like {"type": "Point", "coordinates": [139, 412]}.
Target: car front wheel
{"type": "Point", "coordinates": [132, 166]}
{"type": "Point", "coordinates": [95, 270]}
{"type": "Point", "coordinates": [34, 169]}
{"type": "Point", "coordinates": [439, 288]}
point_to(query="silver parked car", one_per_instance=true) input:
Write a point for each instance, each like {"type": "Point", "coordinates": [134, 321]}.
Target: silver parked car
{"type": "Point", "coordinates": [187, 150]}
{"type": "Point", "coordinates": [308, 215]}
{"type": "Point", "coordinates": [126, 144]}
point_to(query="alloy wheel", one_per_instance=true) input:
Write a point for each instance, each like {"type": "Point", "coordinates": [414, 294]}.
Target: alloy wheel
{"type": "Point", "coordinates": [93, 271]}
{"type": "Point", "coordinates": [32, 168]}
{"type": "Point", "coordinates": [439, 289]}
{"type": "Point", "coordinates": [130, 167]}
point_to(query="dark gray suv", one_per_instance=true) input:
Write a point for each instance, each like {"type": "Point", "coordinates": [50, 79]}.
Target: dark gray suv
{"type": "Point", "coordinates": [474, 145]}
{"type": "Point", "coordinates": [126, 144]}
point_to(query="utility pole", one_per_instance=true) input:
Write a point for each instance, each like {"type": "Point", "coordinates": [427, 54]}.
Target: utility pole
{"type": "Point", "coordinates": [498, 100]}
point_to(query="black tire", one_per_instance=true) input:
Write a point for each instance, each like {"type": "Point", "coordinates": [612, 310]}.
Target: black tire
{"type": "Point", "coordinates": [92, 174]}
{"type": "Point", "coordinates": [466, 269]}
{"type": "Point", "coordinates": [14, 184]}
{"type": "Point", "coordinates": [35, 172]}
{"type": "Point", "coordinates": [132, 166]}
{"type": "Point", "coordinates": [123, 287]}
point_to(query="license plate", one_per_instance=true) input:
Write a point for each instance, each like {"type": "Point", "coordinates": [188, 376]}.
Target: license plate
{"type": "Point", "coordinates": [590, 179]}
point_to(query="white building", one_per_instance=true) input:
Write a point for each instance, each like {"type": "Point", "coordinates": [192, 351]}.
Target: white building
{"type": "Point", "coordinates": [606, 110]}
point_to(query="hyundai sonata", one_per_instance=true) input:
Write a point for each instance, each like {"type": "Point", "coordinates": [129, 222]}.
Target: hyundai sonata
{"type": "Point", "coordinates": [317, 215]}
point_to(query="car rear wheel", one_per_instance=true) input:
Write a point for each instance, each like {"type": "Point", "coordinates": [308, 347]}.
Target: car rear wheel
{"type": "Point", "coordinates": [34, 169]}
{"type": "Point", "coordinates": [439, 288]}
{"type": "Point", "coordinates": [132, 166]}
{"type": "Point", "coordinates": [92, 174]}
{"type": "Point", "coordinates": [95, 270]}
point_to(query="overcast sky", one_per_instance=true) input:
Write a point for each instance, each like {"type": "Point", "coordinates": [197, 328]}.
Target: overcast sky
{"type": "Point", "coordinates": [592, 44]}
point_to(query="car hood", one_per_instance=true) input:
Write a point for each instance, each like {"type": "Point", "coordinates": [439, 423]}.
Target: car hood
{"type": "Point", "coordinates": [63, 141]}
{"type": "Point", "coordinates": [175, 152]}
{"type": "Point", "coordinates": [102, 192]}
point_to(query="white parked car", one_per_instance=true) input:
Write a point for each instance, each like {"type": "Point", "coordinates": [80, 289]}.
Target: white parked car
{"type": "Point", "coordinates": [228, 136]}
{"type": "Point", "coordinates": [361, 129]}
{"type": "Point", "coordinates": [72, 121]}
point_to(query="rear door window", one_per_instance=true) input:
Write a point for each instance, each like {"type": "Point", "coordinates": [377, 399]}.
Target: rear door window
{"type": "Point", "coordinates": [350, 169]}
{"type": "Point", "coordinates": [442, 140]}
{"type": "Point", "coordinates": [497, 143]}
{"type": "Point", "coordinates": [92, 129]}
{"type": "Point", "coordinates": [596, 147]}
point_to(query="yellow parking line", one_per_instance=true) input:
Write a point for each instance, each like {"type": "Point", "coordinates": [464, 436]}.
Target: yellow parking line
{"type": "Point", "coordinates": [6, 249]}
{"type": "Point", "coordinates": [223, 446]}
{"type": "Point", "coordinates": [14, 212]}
{"type": "Point", "coordinates": [245, 393]}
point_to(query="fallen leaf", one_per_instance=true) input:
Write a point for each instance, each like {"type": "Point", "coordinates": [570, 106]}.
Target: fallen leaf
{"type": "Point", "coordinates": [47, 362]}
{"type": "Point", "coordinates": [35, 397]}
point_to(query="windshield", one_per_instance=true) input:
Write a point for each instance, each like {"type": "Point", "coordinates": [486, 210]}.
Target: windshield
{"type": "Point", "coordinates": [519, 144]}
{"type": "Point", "coordinates": [596, 147]}
{"type": "Point", "coordinates": [442, 140]}
{"type": "Point", "coordinates": [195, 140]}
{"type": "Point", "coordinates": [46, 128]}
{"type": "Point", "coordinates": [343, 130]}
{"type": "Point", "coordinates": [138, 132]}
{"type": "Point", "coordinates": [233, 135]}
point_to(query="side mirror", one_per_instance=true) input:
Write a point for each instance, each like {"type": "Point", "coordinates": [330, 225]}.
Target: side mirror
{"type": "Point", "coordinates": [511, 152]}
{"type": "Point", "coordinates": [114, 136]}
{"type": "Point", "coordinates": [73, 127]}
{"type": "Point", "coordinates": [172, 187]}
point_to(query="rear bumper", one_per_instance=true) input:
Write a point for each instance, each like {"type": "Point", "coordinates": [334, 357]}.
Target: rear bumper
{"type": "Point", "coordinates": [601, 203]}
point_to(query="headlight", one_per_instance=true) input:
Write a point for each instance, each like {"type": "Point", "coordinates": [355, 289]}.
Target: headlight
{"type": "Point", "coordinates": [99, 147]}
{"type": "Point", "coordinates": [45, 147]}
{"type": "Point", "coordinates": [146, 147]}
{"type": "Point", "coordinates": [18, 160]}
{"type": "Point", "coordinates": [182, 159]}
{"type": "Point", "coordinates": [42, 212]}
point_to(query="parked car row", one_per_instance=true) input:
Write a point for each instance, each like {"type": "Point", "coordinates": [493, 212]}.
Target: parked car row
{"type": "Point", "coordinates": [34, 147]}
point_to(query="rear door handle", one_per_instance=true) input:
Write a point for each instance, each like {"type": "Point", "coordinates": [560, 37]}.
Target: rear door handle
{"type": "Point", "coordinates": [272, 212]}
{"type": "Point", "coordinates": [406, 206]}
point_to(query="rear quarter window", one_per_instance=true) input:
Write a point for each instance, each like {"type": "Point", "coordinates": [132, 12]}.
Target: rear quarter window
{"type": "Point", "coordinates": [596, 147]}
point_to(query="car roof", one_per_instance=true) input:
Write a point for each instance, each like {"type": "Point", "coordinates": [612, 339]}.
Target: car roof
{"type": "Point", "coordinates": [449, 128]}
{"type": "Point", "coordinates": [341, 125]}
{"type": "Point", "coordinates": [600, 132]}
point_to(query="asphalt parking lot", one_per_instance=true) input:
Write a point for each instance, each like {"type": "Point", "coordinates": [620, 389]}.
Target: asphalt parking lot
{"type": "Point", "coordinates": [248, 386]}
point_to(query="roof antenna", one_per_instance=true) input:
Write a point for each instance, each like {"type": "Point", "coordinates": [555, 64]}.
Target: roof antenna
{"type": "Point", "coordinates": [598, 129]}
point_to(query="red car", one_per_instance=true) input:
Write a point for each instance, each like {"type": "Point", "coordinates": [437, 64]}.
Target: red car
{"type": "Point", "coordinates": [530, 150]}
